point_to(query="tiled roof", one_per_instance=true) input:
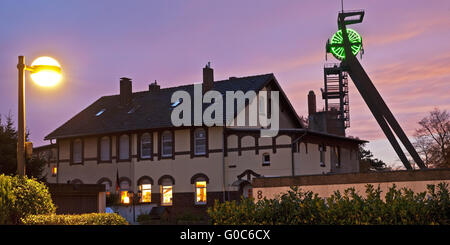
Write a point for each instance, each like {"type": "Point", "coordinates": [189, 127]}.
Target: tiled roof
{"type": "Point", "coordinates": [148, 110]}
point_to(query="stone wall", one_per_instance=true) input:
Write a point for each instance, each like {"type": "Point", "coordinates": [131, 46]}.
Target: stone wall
{"type": "Point", "coordinates": [325, 185]}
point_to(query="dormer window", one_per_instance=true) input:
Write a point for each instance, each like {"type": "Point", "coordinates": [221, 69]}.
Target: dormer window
{"type": "Point", "coordinates": [176, 103]}
{"type": "Point", "coordinates": [134, 109]}
{"type": "Point", "coordinates": [100, 112]}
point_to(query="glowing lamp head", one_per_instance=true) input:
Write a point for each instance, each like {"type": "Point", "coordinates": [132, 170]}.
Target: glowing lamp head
{"type": "Point", "coordinates": [46, 71]}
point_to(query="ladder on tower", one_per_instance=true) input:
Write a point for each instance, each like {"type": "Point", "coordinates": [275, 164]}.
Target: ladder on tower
{"type": "Point", "coordinates": [335, 92]}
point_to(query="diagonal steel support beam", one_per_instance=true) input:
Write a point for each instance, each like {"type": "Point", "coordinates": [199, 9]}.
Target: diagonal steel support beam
{"type": "Point", "coordinates": [371, 103]}
{"type": "Point", "coordinates": [376, 104]}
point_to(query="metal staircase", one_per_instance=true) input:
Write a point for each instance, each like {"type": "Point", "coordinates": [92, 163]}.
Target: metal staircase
{"type": "Point", "coordinates": [335, 92]}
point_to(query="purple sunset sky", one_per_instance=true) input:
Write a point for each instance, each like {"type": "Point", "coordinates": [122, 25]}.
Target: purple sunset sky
{"type": "Point", "coordinates": [407, 52]}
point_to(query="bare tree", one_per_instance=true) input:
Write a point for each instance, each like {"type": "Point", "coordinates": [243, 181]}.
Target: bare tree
{"type": "Point", "coordinates": [432, 139]}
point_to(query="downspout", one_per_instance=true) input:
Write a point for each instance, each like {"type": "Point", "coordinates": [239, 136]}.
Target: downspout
{"type": "Point", "coordinates": [292, 151]}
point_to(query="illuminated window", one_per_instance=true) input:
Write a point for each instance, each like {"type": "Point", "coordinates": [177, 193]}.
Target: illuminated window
{"type": "Point", "coordinates": [105, 149]}
{"type": "Point", "coordinates": [200, 142]}
{"type": "Point", "coordinates": [266, 159]}
{"type": "Point", "coordinates": [124, 147]}
{"type": "Point", "coordinates": [200, 192]}
{"type": "Point", "coordinates": [77, 149]}
{"type": "Point", "coordinates": [166, 143]}
{"type": "Point", "coordinates": [166, 191]}
{"type": "Point", "coordinates": [54, 171]}
{"type": "Point", "coordinates": [146, 145]}
{"type": "Point", "coordinates": [124, 197]}
{"type": "Point", "coordinates": [146, 192]}
{"type": "Point", "coordinates": [124, 187]}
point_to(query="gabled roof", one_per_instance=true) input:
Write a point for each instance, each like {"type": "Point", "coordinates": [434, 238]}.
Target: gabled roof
{"type": "Point", "coordinates": [148, 110]}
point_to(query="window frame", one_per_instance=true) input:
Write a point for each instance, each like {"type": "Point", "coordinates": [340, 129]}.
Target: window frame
{"type": "Point", "coordinates": [72, 153]}
{"type": "Point", "coordinates": [108, 184]}
{"type": "Point", "coordinates": [337, 152]}
{"type": "Point", "coordinates": [162, 195]}
{"type": "Point", "coordinates": [54, 170]}
{"type": "Point", "coordinates": [163, 182]}
{"type": "Point", "coordinates": [195, 142]}
{"type": "Point", "coordinates": [142, 190]}
{"type": "Point", "coordinates": [150, 157]}
{"type": "Point", "coordinates": [262, 106]}
{"type": "Point", "coordinates": [145, 180]}
{"type": "Point", "coordinates": [99, 147]}
{"type": "Point", "coordinates": [196, 188]}
{"type": "Point", "coordinates": [264, 162]}
{"type": "Point", "coordinates": [161, 143]}
{"type": "Point", "coordinates": [118, 143]}
{"type": "Point", "coordinates": [122, 190]}
{"type": "Point", "coordinates": [322, 150]}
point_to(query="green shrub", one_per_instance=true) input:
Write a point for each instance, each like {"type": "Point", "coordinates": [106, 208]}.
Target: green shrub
{"type": "Point", "coordinates": [21, 196]}
{"type": "Point", "coordinates": [400, 206]}
{"type": "Point", "coordinates": [75, 219]}
{"type": "Point", "coordinates": [7, 199]}
{"type": "Point", "coordinates": [190, 218]}
{"type": "Point", "coordinates": [143, 218]}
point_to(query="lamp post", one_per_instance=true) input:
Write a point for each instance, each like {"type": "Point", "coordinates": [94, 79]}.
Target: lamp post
{"type": "Point", "coordinates": [132, 196]}
{"type": "Point", "coordinates": [45, 71]}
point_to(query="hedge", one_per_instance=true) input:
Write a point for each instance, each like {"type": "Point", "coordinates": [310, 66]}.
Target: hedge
{"type": "Point", "coordinates": [400, 206]}
{"type": "Point", "coordinates": [75, 219]}
{"type": "Point", "coordinates": [21, 196]}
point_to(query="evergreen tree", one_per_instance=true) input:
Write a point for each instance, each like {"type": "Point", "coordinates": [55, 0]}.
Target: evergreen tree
{"type": "Point", "coordinates": [8, 152]}
{"type": "Point", "coordinates": [368, 162]}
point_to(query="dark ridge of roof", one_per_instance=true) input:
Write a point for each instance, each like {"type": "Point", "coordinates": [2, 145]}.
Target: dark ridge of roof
{"type": "Point", "coordinates": [116, 118]}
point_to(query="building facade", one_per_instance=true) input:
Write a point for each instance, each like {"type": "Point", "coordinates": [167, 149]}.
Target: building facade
{"type": "Point", "coordinates": [128, 143]}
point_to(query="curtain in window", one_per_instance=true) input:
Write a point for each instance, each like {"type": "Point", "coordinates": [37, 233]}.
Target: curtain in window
{"type": "Point", "coordinates": [146, 145]}
{"type": "Point", "coordinates": [146, 192]}
{"type": "Point", "coordinates": [200, 142]}
{"type": "Point", "coordinates": [105, 149]}
{"type": "Point", "coordinates": [124, 147]}
{"type": "Point", "coordinates": [167, 143]}
{"type": "Point", "coordinates": [200, 192]}
{"type": "Point", "coordinates": [77, 151]}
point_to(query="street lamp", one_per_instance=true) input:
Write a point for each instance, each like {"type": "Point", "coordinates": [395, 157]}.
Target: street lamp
{"type": "Point", "coordinates": [45, 71]}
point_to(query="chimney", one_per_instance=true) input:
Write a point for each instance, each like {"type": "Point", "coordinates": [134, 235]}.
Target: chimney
{"type": "Point", "coordinates": [311, 103]}
{"type": "Point", "coordinates": [208, 78]}
{"type": "Point", "coordinates": [125, 90]}
{"type": "Point", "coordinates": [153, 87]}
